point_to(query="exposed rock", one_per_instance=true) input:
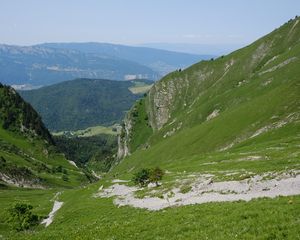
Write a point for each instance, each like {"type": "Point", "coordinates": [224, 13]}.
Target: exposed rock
{"type": "Point", "coordinates": [57, 205]}
{"type": "Point", "coordinates": [280, 65]}
{"type": "Point", "coordinates": [214, 114]}
{"type": "Point", "coordinates": [124, 138]}
{"type": "Point", "coordinates": [20, 181]}
{"type": "Point", "coordinates": [162, 97]}
{"type": "Point", "coordinates": [204, 190]}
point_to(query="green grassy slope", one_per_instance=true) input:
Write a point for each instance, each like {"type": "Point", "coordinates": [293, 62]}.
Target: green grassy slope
{"type": "Point", "coordinates": [83, 103]}
{"type": "Point", "coordinates": [28, 156]}
{"type": "Point", "coordinates": [85, 217]}
{"type": "Point", "coordinates": [46, 166]}
{"type": "Point", "coordinates": [243, 104]}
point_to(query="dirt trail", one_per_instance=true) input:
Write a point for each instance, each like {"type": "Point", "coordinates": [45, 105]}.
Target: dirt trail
{"type": "Point", "coordinates": [203, 190]}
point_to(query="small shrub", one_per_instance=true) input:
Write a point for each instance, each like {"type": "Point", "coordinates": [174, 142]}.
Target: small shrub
{"type": "Point", "coordinates": [142, 177]}
{"type": "Point", "coordinates": [146, 176]}
{"type": "Point", "coordinates": [156, 175]}
{"type": "Point", "coordinates": [21, 217]}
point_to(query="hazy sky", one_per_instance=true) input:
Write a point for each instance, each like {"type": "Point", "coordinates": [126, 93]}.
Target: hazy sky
{"type": "Point", "coordinates": [27, 22]}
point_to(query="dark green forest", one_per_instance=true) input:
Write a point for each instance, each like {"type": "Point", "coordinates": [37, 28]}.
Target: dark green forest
{"type": "Point", "coordinates": [82, 103]}
{"type": "Point", "coordinates": [96, 152]}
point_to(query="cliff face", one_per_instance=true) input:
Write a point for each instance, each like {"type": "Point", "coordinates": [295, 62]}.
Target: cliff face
{"type": "Point", "coordinates": [124, 138]}
{"type": "Point", "coordinates": [136, 129]}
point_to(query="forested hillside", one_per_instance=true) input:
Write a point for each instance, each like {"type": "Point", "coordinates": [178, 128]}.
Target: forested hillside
{"type": "Point", "coordinates": [83, 103]}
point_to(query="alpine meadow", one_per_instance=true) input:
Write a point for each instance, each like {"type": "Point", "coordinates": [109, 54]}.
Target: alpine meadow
{"type": "Point", "coordinates": [120, 141]}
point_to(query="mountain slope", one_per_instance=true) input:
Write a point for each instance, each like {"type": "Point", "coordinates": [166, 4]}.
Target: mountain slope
{"type": "Point", "coordinates": [227, 112]}
{"type": "Point", "coordinates": [17, 115]}
{"type": "Point", "coordinates": [35, 65]}
{"type": "Point", "coordinates": [160, 61]}
{"type": "Point", "coordinates": [28, 157]}
{"type": "Point", "coordinates": [195, 155]}
{"type": "Point", "coordinates": [83, 103]}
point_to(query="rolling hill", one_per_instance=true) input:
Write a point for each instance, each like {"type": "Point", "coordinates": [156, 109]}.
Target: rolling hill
{"type": "Point", "coordinates": [84, 103]}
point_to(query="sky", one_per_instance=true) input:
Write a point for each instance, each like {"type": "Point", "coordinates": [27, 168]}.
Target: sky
{"type": "Point", "coordinates": [132, 22]}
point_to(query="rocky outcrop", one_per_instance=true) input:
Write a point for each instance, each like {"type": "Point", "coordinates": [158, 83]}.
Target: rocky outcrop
{"type": "Point", "coordinates": [161, 98]}
{"type": "Point", "coordinates": [20, 181]}
{"type": "Point", "coordinates": [124, 138]}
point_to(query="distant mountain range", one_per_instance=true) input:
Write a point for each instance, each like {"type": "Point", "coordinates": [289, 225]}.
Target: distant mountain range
{"type": "Point", "coordinates": [49, 63]}
{"type": "Point", "coordinates": [160, 61]}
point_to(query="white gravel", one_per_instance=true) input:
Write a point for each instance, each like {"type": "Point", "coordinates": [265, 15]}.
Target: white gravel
{"type": "Point", "coordinates": [204, 191]}
{"type": "Point", "coordinates": [72, 163]}
{"type": "Point", "coordinates": [119, 181]}
{"type": "Point", "coordinates": [96, 175]}
{"type": "Point", "coordinates": [57, 205]}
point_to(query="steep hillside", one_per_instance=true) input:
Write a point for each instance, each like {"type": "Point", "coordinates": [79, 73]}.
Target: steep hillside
{"type": "Point", "coordinates": [39, 66]}
{"type": "Point", "coordinates": [160, 61]}
{"type": "Point", "coordinates": [28, 157]}
{"type": "Point", "coordinates": [240, 111]}
{"type": "Point", "coordinates": [17, 115]}
{"type": "Point", "coordinates": [83, 103]}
